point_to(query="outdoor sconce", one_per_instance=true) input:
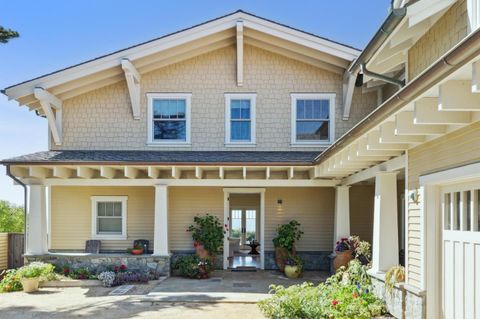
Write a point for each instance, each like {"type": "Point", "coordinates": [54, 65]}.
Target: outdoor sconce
{"type": "Point", "coordinates": [279, 201]}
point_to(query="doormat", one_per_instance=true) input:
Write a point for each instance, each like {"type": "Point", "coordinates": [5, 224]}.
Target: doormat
{"type": "Point", "coordinates": [120, 290]}
{"type": "Point", "coordinates": [244, 269]}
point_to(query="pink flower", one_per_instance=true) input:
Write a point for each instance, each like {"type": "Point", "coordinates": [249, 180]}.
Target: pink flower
{"type": "Point", "coordinates": [123, 267]}
{"type": "Point", "coordinates": [115, 269]}
{"type": "Point", "coordinates": [334, 302]}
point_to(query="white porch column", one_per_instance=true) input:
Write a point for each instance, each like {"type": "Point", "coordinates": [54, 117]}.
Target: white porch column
{"type": "Point", "coordinates": [385, 230]}
{"type": "Point", "coordinates": [160, 236]}
{"type": "Point", "coordinates": [37, 221]}
{"type": "Point", "coordinates": [342, 213]}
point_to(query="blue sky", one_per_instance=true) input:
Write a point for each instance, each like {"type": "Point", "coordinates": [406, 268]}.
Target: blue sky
{"type": "Point", "coordinates": [56, 34]}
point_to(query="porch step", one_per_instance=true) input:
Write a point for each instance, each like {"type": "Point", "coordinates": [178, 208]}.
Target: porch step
{"type": "Point", "coordinates": [244, 269]}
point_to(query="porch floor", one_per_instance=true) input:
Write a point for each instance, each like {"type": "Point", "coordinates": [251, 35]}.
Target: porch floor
{"type": "Point", "coordinates": [227, 286]}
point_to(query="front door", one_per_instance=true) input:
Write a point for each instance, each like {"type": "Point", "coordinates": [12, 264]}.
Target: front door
{"type": "Point", "coordinates": [243, 225]}
{"type": "Point", "coordinates": [461, 250]}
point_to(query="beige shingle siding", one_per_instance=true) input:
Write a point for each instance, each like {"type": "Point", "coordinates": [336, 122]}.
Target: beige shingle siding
{"type": "Point", "coordinates": [3, 251]}
{"type": "Point", "coordinates": [442, 36]}
{"type": "Point", "coordinates": [457, 148]}
{"type": "Point", "coordinates": [102, 119]}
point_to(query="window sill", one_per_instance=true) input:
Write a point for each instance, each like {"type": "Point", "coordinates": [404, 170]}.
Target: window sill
{"type": "Point", "coordinates": [240, 144]}
{"type": "Point", "coordinates": [326, 144]}
{"type": "Point", "coordinates": [168, 144]}
{"type": "Point", "coordinates": [110, 237]}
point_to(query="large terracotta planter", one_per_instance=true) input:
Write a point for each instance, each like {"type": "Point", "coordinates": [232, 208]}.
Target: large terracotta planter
{"type": "Point", "coordinates": [201, 251]}
{"type": "Point", "coordinates": [292, 271]}
{"type": "Point", "coordinates": [342, 258]}
{"type": "Point", "coordinates": [30, 284]}
{"type": "Point", "coordinates": [280, 255]}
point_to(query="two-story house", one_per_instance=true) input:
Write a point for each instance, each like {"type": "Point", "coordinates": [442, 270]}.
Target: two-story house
{"type": "Point", "coordinates": [259, 123]}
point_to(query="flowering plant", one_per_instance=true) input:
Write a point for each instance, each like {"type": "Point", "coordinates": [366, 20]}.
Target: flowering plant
{"type": "Point", "coordinates": [293, 260]}
{"type": "Point", "coordinates": [107, 278]}
{"type": "Point", "coordinates": [343, 244]}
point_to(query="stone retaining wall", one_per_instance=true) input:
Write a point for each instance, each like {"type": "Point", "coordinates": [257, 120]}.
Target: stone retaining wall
{"type": "Point", "coordinates": [402, 303]}
{"type": "Point", "coordinates": [159, 265]}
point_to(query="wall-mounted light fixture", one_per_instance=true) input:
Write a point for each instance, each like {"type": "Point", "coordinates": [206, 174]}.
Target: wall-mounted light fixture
{"type": "Point", "coordinates": [279, 201]}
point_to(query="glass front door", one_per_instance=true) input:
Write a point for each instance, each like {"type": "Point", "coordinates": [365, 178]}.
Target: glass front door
{"type": "Point", "coordinates": [244, 225]}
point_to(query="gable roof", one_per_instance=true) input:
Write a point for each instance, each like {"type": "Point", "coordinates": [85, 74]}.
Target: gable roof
{"type": "Point", "coordinates": [183, 44]}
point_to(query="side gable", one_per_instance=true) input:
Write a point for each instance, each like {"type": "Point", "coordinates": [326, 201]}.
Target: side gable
{"type": "Point", "coordinates": [175, 47]}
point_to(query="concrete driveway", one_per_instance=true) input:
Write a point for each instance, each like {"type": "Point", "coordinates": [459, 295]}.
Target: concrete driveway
{"type": "Point", "coordinates": [95, 302]}
{"type": "Point", "coordinates": [224, 295]}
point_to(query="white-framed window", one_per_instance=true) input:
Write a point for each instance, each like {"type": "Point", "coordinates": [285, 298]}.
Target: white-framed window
{"type": "Point", "coordinates": [313, 118]}
{"type": "Point", "coordinates": [109, 217]}
{"type": "Point", "coordinates": [240, 119]}
{"type": "Point", "coordinates": [169, 119]}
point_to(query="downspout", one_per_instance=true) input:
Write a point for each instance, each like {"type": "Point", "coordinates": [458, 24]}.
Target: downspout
{"type": "Point", "coordinates": [25, 194]}
{"type": "Point", "coordinates": [365, 71]}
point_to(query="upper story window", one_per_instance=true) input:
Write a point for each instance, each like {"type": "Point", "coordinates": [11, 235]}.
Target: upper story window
{"type": "Point", "coordinates": [240, 119]}
{"type": "Point", "coordinates": [109, 217]}
{"type": "Point", "coordinates": [313, 118]}
{"type": "Point", "coordinates": [169, 119]}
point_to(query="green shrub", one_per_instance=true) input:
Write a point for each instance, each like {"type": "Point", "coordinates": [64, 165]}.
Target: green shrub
{"type": "Point", "coordinates": [10, 281]}
{"type": "Point", "coordinates": [287, 234]}
{"type": "Point", "coordinates": [37, 270]}
{"type": "Point", "coordinates": [347, 294]}
{"type": "Point", "coordinates": [192, 266]}
{"type": "Point", "coordinates": [208, 231]}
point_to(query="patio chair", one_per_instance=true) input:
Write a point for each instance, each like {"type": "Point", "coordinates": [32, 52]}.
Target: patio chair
{"type": "Point", "coordinates": [92, 246]}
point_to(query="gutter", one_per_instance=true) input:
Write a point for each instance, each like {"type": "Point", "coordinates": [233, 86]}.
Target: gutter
{"type": "Point", "coordinates": [387, 27]}
{"type": "Point", "coordinates": [9, 174]}
{"type": "Point", "coordinates": [455, 58]}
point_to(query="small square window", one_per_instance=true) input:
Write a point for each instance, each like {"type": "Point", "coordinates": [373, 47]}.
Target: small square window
{"type": "Point", "coordinates": [109, 217]}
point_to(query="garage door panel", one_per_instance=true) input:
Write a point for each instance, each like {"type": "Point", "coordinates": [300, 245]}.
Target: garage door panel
{"type": "Point", "coordinates": [461, 251]}
{"type": "Point", "coordinates": [469, 283]}
{"type": "Point", "coordinates": [448, 294]}
{"type": "Point", "coordinates": [458, 273]}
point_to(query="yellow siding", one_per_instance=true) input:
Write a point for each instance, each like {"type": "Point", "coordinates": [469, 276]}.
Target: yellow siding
{"type": "Point", "coordinates": [455, 149]}
{"type": "Point", "coordinates": [312, 207]}
{"type": "Point", "coordinates": [184, 204]}
{"type": "Point", "coordinates": [3, 251]}
{"type": "Point", "coordinates": [361, 211]}
{"type": "Point", "coordinates": [72, 216]}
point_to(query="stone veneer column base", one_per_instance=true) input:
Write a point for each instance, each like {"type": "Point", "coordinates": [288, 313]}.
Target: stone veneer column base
{"type": "Point", "coordinates": [405, 302]}
{"type": "Point", "coordinates": [159, 265]}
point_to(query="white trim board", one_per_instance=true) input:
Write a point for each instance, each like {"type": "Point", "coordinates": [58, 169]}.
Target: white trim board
{"type": "Point", "coordinates": [226, 220]}
{"type": "Point", "coordinates": [175, 39]}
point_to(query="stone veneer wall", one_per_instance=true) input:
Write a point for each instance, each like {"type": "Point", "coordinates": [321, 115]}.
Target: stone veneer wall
{"type": "Point", "coordinates": [158, 265]}
{"type": "Point", "coordinates": [402, 303]}
{"type": "Point", "coordinates": [313, 260]}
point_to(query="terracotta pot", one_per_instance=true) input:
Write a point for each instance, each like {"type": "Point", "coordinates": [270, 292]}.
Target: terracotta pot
{"type": "Point", "coordinates": [201, 251]}
{"type": "Point", "coordinates": [341, 259]}
{"type": "Point", "coordinates": [292, 271]}
{"type": "Point", "coordinates": [30, 284]}
{"type": "Point", "coordinates": [137, 251]}
{"type": "Point", "coordinates": [280, 255]}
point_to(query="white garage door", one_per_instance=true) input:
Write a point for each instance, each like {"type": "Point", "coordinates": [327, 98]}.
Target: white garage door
{"type": "Point", "coordinates": [461, 251]}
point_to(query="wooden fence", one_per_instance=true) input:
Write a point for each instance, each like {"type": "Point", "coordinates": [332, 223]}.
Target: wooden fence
{"type": "Point", "coordinates": [11, 250]}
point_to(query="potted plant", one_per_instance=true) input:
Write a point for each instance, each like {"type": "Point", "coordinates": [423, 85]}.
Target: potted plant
{"type": "Point", "coordinates": [293, 266]}
{"type": "Point", "coordinates": [207, 234]}
{"type": "Point", "coordinates": [343, 253]}
{"type": "Point", "coordinates": [31, 274]}
{"type": "Point", "coordinates": [284, 242]}
{"type": "Point", "coordinates": [394, 275]}
{"type": "Point", "coordinates": [361, 250]}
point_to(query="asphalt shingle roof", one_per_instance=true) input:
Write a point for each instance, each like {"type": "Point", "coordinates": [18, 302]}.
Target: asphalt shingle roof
{"type": "Point", "coordinates": [163, 157]}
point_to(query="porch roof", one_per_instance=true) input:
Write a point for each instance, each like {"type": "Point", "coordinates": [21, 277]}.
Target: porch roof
{"type": "Point", "coordinates": [105, 157]}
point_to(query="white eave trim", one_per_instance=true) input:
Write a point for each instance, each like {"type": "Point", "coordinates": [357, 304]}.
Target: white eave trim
{"type": "Point", "coordinates": [179, 38]}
